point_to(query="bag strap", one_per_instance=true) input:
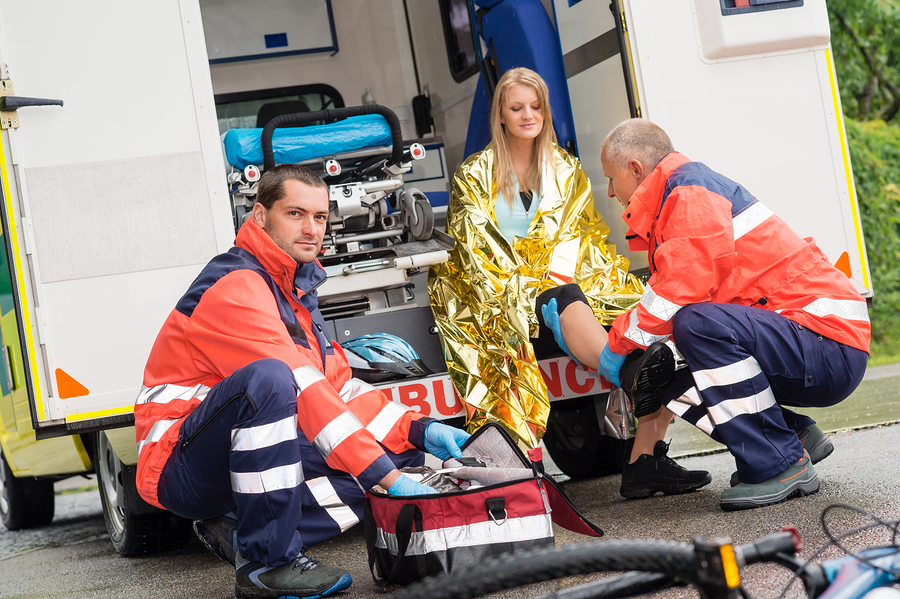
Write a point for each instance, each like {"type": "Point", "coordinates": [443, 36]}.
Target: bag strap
{"type": "Point", "coordinates": [409, 514]}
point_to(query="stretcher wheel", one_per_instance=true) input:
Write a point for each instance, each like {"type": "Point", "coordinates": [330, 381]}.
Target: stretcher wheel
{"type": "Point", "coordinates": [424, 225]}
{"type": "Point", "coordinates": [577, 444]}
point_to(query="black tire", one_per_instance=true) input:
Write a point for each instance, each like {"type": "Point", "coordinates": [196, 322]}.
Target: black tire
{"type": "Point", "coordinates": [576, 443]}
{"type": "Point", "coordinates": [25, 502]}
{"type": "Point", "coordinates": [518, 569]}
{"type": "Point", "coordinates": [135, 527]}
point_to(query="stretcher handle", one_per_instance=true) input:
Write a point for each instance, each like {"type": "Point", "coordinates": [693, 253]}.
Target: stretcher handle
{"type": "Point", "coordinates": [302, 118]}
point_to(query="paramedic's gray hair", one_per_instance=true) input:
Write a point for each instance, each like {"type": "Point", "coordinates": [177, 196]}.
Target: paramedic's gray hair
{"type": "Point", "coordinates": [637, 138]}
{"type": "Point", "coordinates": [271, 184]}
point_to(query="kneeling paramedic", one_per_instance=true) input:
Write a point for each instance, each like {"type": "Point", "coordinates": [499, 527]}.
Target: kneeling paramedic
{"type": "Point", "coordinates": [762, 319]}
{"type": "Point", "coordinates": [249, 422]}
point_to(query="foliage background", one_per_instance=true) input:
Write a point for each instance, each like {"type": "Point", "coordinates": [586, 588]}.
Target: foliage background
{"type": "Point", "coordinates": [866, 50]}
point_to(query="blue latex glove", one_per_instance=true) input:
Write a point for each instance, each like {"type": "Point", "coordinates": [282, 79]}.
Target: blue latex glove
{"type": "Point", "coordinates": [405, 486]}
{"type": "Point", "coordinates": [610, 364]}
{"type": "Point", "coordinates": [444, 441]}
{"type": "Point", "coordinates": [550, 313]}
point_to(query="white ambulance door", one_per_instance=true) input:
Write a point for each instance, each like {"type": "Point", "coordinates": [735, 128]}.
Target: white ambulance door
{"type": "Point", "coordinates": [751, 92]}
{"type": "Point", "coordinates": [112, 203]}
{"type": "Point", "coordinates": [599, 70]}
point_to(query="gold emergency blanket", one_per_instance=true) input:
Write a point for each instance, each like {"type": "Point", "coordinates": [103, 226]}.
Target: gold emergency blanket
{"type": "Point", "coordinates": [483, 297]}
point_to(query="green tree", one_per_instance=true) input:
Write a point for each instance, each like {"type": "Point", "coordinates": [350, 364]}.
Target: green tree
{"type": "Point", "coordinates": [864, 37]}
{"type": "Point", "coordinates": [867, 60]}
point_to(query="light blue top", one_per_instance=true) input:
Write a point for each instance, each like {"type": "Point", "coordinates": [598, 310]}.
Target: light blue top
{"type": "Point", "coordinates": [513, 221]}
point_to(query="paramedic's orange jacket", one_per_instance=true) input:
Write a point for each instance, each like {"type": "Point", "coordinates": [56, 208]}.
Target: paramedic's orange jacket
{"type": "Point", "coordinates": [251, 303]}
{"type": "Point", "coordinates": [709, 240]}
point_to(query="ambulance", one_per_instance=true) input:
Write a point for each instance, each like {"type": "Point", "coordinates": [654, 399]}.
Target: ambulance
{"type": "Point", "coordinates": [117, 187]}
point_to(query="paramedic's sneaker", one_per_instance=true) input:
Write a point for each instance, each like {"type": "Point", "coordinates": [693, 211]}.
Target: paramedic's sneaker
{"type": "Point", "coordinates": [814, 441]}
{"type": "Point", "coordinates": [650, 474]}
{"type": "Point", "coordinates": [219, 535]}
{"type": "Point", "coordinates": [642, 375]}
{"type": "Point", "coordinates": [798, 480]}
{"type": "Point", "coordinates": [816, 444]}
{"type": "Point", "coordinates": [304, 577]}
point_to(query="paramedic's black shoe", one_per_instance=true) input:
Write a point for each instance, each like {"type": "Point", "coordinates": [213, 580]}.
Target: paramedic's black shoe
{"type": "Point", "coordinates": [643, 373]}
{"type": "Point", "coordinates": [650, 474]}
{"type": "Point", "coordinates": [798, 480]}
{"type": "Point", "coordinates": [814, 441]}
{"type": "Point", "coordinates": [304, 577]}
{"type": "Point", "coordinates": [219, 535]}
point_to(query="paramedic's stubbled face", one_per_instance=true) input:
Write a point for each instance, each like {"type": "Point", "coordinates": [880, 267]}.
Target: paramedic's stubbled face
{"type": "Point", "coordinates": [296, 222]}
{"type": "Point", "coordinates": [622, 182]}
{"type": "Point", "coordinates": [522, 112]}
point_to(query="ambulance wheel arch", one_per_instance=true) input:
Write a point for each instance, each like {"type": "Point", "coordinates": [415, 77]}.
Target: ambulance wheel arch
{"type": "Point", "coordinates": [135, 527]}
{"type": "Point", "coordinates": [25, 502]}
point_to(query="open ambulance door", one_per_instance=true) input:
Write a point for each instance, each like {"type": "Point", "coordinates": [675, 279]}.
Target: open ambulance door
{"type": "Point", "coordinates": [113, 199]}
{"type": "Point", "coordinates": [748, 90]}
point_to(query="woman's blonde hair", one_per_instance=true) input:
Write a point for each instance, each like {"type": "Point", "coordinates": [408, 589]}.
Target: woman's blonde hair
{"type": "Point", "coordinates": [503, 167]}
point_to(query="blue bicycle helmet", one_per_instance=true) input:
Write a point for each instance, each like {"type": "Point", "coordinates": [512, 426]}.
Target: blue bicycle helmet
{"type": "Point", "coordinates": [383, 357]}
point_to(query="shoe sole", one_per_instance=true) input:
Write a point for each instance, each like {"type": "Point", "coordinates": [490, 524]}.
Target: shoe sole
{"type": "Point", "coordinates": [257, 593]}
{"type": "Point", "coordinates": [657, 370]}
{"type": "Point", "coordinates": [644, 492]}
{"type": "Point", "coordinates": [798, 489]}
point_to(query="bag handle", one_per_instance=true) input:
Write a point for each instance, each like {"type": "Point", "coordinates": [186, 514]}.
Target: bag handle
{"type": "Point", "coordinates": [409, 514]}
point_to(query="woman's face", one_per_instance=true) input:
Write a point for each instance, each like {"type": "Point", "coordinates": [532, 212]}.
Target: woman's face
{"type": "Point", "coordinates": [522, 113]}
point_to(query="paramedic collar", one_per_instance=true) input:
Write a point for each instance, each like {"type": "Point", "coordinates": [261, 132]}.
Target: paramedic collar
{"type": "Point", "coordinates": [286, 271]}
{"type": "Point", "coordinates": [643, 209]}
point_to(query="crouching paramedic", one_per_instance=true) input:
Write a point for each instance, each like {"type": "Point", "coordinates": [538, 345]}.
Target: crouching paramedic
{"type": "Point", "coordinates": [249, 421]}
{"type": "Point", "coordinates": [762, 318]}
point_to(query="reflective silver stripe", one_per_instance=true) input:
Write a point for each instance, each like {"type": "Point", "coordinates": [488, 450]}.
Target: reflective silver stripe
{"type": "Point", "coordinates": [705, 425]}
{"type": "Point", "coordinates": [849, 309]}
{"type": "Point", "coordinates": [264, 435]}
{"type": "Point", "coordinates": [749, 219]}
{"type": "Point", "coordinates": [166, 393]}
{"type": "Point", "coordinates": [274, 479]}
{"type": "Point", "coordinates": [528, 528]}
{"type": "Point", "coordinates": [382, 424]}
{"type": "Point", "coordinates": [306, 376]}
{"type": "Point", "coordinates": [158, 429]}
{"type": "Point", "coordinates": [658, 306]}
{"type": "Point", "coordinates": [335, 432]}
{"type": "Point", "coordinates": [744, 370]}
{"type": "Point", "coordinates": [690, 399]}
{"type": "Point", "coordinates": [354, 388]}
{"type": "Point", "coordinates": [328, 499]}
{"type": "Point", "coordinates": [728, 409]}
{"type": "Point", "coordinates": [635, 333]}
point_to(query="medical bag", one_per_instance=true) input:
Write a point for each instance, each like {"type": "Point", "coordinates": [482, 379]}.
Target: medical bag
{"type": "Point", "coordinates": [493, 501]}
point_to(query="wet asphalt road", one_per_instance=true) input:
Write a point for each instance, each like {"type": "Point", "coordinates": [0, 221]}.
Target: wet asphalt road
{"type": "Point", "coordinates": [73, 557]}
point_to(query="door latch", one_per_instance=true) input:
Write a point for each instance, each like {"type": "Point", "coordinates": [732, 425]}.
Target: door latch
{"type": "Point", "coordinates": [10, 103]}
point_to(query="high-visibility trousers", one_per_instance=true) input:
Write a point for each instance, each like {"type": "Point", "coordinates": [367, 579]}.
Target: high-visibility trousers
{"type": "Point", "coordinates": [744, 365]}
{"type": "Point", "coordinates": [241, 450]}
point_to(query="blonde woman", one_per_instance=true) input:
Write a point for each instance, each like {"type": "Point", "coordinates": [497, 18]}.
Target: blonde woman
{"type": "Point", "coordinates": [523, 216]}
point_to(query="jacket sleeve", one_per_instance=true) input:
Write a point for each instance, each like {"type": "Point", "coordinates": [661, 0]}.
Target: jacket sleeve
{"type": "Point", "coordinates": [693, 257]}
{"type": "Point", "coordinates": [237, 322]}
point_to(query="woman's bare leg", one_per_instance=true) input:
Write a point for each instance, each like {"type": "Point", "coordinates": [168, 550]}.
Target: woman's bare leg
{"type": "Point", "coordinates": [650, 429]}
{"type": "Point", "coordinates": [585, 337]}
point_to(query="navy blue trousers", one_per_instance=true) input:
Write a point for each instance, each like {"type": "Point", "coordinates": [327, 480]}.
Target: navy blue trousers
{"type": "Point", "coordinates": [744, 365]}
{"type": "Point", "coordinates": [241, 450]}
